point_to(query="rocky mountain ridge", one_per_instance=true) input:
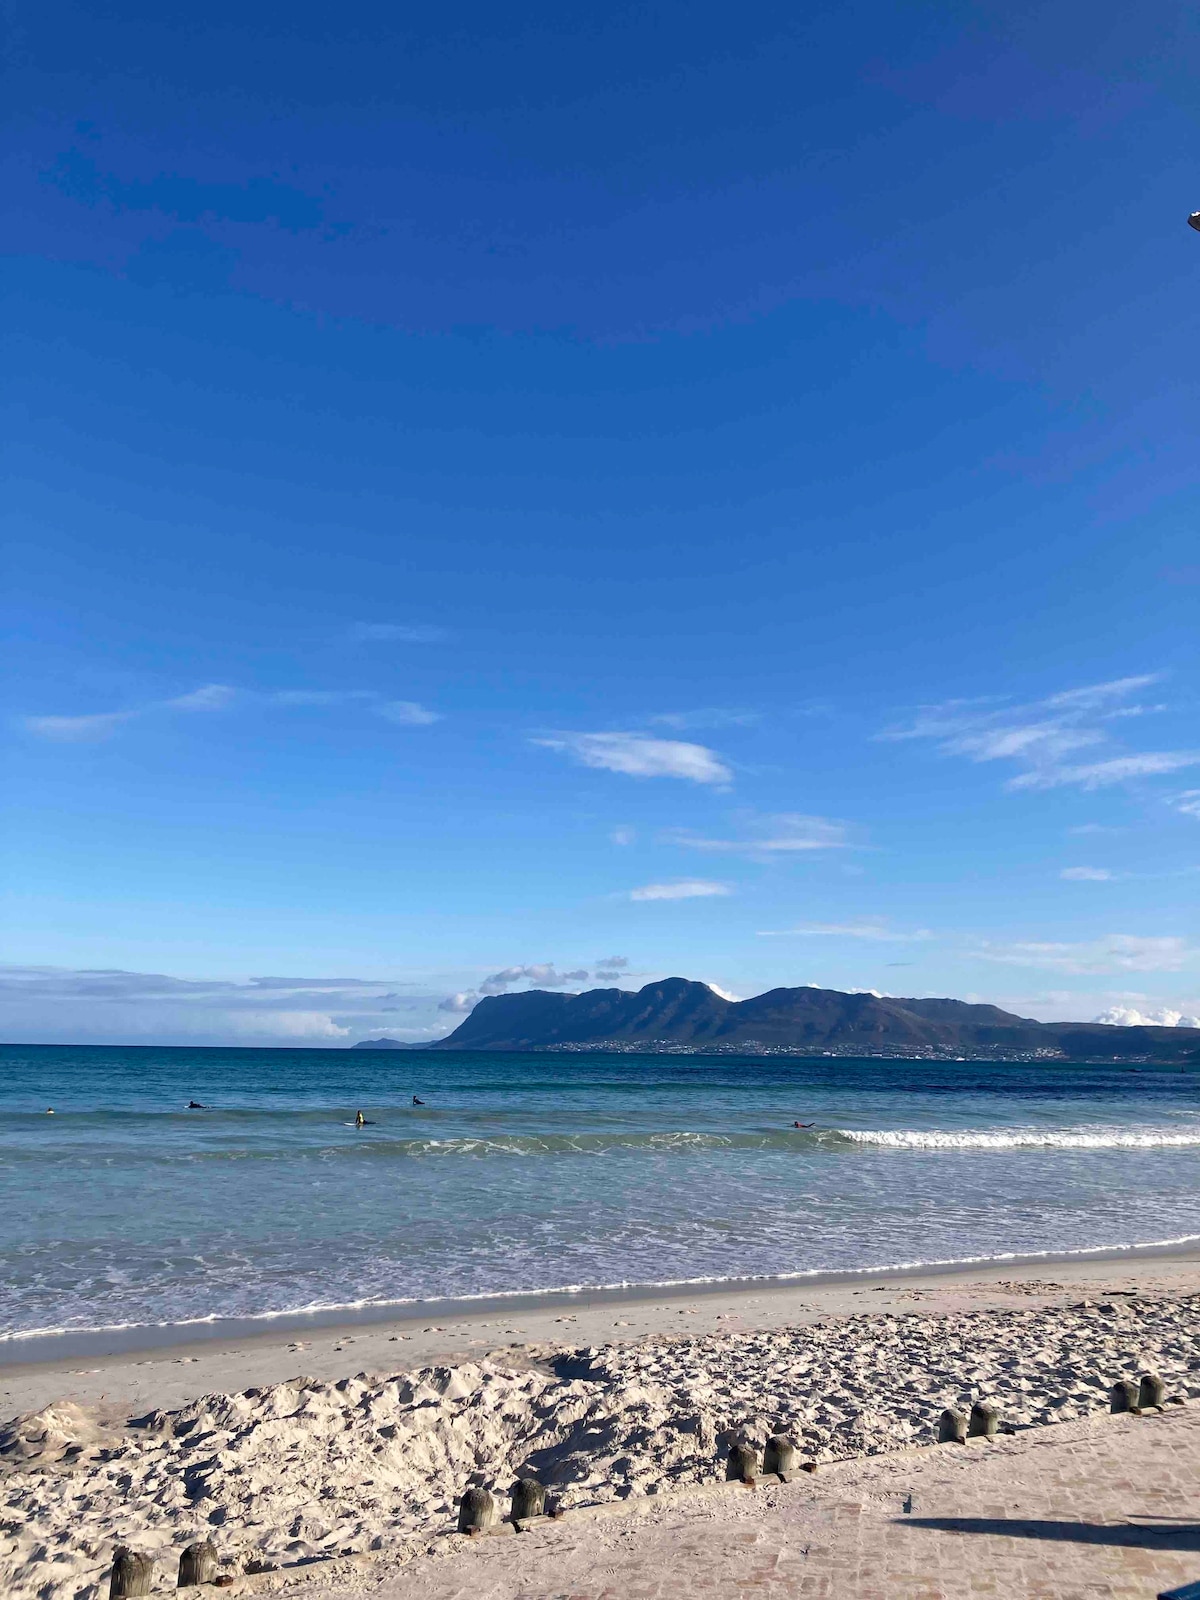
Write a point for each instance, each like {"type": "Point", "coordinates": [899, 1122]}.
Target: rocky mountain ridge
{"type": "Point", "coordinates": [679, 1015]}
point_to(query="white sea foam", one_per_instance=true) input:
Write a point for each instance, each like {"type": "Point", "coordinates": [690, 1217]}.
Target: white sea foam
{"type": "Point", "coordinates": [334, 1311]}
{"type": "Point", "coordinates": [1017, 1138]}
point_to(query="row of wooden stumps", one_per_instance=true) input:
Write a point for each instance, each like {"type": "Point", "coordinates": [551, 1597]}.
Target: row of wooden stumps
{"type": "Point", "coordinates": [1148, 1393]}
{"type": "Point", "coordinates": [982, 1422]}
{"type": "Point", "coordinates": [478, 1511]}
{"type": "Point", "coordinates": [1133, 1395]}
{"type": "Point", "coordinates": [133, 1574]}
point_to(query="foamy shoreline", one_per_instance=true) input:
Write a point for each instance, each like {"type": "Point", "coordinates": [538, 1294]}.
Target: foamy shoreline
{"type": "Point", "coordinates": [22, 1352]}
{"type": "Point", "coordinates": [284, 1469]}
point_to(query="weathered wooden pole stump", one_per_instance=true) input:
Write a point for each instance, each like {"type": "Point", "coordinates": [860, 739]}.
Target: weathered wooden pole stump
{"type": "Point", "coordinates": [780, 1455]}
{"type": "Point", "coordinates": [476, 1512]}
{"type": "Point", "coordinates": [197, 1564]}
{"type": "Point", "coordinates": [132, 1574]}
{"type": "Point", "coordinates": [985, 1420]}
{"type": "Point", "coordinates": [1125, 1395]}
{"type": "Point", "coordinates": [528, 1499]}
{"type": "Point", "coordinates": [1152, 1391]}
{"type": "Point", "coordinates": [952, 1427]}
{"type": "Point", "coordinates": [742, 1465]}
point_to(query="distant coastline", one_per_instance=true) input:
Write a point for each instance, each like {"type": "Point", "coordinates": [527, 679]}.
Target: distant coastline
{"type": "Point", "coordinates": [678, 1016]}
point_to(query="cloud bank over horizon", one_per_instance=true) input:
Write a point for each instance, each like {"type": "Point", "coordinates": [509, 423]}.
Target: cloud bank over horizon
{"type": "Point", "coordinates": [110, 1006]}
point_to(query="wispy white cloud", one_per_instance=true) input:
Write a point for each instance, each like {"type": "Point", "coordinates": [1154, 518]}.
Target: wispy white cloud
{"type": "Point", "coordinates": [1117, 952]}
{"type": "Point", "coordinates": [78, 730]}
{"type": "Point", "coordinates": [395, 633]}
{"type": "Point", "coordinates": [317, 697]}
{"type": "Point", "coordinates": [210, 697]}
{"type": "Point", "coordinates": [849, 930]}
{"type": "Point", "coordinates": [1086, 874]}
{"type": "Point", "coordinates": [707, 717]}
{"type": "Point", "coordinates": [786, 833]}
{"type": "Point", "coordinates": [1101, 774]}
{"type": "Point", "coordinates": [1041, 736]}
{"type": "Point", "coordinates": [408, 713]}
{"type": "Point", "coordinates": [624, 835]}
{"type": "Point", "coordinates": [103, 724]}
{"type": "Point", "coordinates": [680, 889]}
{"type": "Point", "coordinates": [540, 975]}
{"type": "Point", "coordinates": [637, 755]}
{"type": "Point", "coordinates": [1188, 803]}
{"type": "Point", "coordinates": [219, 697]}
{"type": "Point", "coordinates": [1100, 696]}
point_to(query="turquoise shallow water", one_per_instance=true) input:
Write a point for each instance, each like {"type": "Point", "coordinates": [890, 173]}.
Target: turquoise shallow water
{"type": "Point", "coordinates": [536, 1172]}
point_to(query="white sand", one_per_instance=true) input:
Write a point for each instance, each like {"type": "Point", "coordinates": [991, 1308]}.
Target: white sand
{"type": "Point", "coordinates": [314, 1467]}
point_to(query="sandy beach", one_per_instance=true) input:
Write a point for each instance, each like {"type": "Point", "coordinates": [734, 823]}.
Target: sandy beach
{"type": "Point", "coordinates": [356, 1442]}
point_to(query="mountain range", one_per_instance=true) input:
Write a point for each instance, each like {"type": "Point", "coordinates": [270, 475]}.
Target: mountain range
{"type": "Point", "coordinates": [678, 1015]}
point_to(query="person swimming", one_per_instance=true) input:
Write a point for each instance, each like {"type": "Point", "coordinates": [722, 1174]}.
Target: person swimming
{"type": "Point", "coordinates": [194, 1105]}
{"type": "Point", "coordinates": [417, 1102]}
{"type": "Point", "coordinates": [803, 1124]}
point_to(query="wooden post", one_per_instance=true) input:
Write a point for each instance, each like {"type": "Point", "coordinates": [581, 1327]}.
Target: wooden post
{"type": "Point", "coordinates": [952, 1427]}
{"type": "Point", "coordinates": [742, 1465]}
{"type": "Point", "coordinates": [528, 1499]}
{"type": "Point", "coordinates": [197, 1564]}
{"type": "Point", "coordinates": [780, 1455]}
{"type": "Point", "coordinates": [132, 1574]}
{"type": "Point", "coordinates": [1124, 1396]}
{"type": "Point", "coordinates": [985, 1420]}
{"type": "Point", "coordinates": [1151, 1391]}
{"type": "Point", "coordinates": [476, 1512]}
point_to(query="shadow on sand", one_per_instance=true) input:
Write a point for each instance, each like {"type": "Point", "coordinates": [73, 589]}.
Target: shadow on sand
{"type": "Point", "coordinates": [1166, 1533]}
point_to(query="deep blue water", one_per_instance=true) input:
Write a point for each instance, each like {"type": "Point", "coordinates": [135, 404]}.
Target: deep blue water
{"type": "Point", "coordinates": [532, 1172]}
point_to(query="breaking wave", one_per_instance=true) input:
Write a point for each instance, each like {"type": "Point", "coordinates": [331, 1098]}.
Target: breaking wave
{"type": "Point", "coordinates": [1020, 1138]}
{"type": "Point", "coordinates": [379, 1147]}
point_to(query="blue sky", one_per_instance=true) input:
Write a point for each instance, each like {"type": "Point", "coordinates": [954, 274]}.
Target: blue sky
{"type": "Point", "coordinates": [518, 496]}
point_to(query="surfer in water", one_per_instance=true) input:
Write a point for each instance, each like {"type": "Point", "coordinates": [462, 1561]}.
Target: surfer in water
{"type": "Point", "coordinates": [417, 1102]}
{"type": "Point", "coordinates": [194, 1105]}
{"type": "Point", "coordinates": [803, 1124]}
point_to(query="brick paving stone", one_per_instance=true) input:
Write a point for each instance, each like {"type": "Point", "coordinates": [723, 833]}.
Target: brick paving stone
{"type": "Point", "coordinates": [1097, 1509]}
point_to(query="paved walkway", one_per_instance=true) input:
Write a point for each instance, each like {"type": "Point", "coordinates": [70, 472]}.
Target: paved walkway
{"type": "Point", "coordinates": [1105, 1506]}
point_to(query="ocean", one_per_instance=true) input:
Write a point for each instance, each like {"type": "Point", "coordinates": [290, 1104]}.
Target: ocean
{"type": "Point", "coordinates": [532, 1173]}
